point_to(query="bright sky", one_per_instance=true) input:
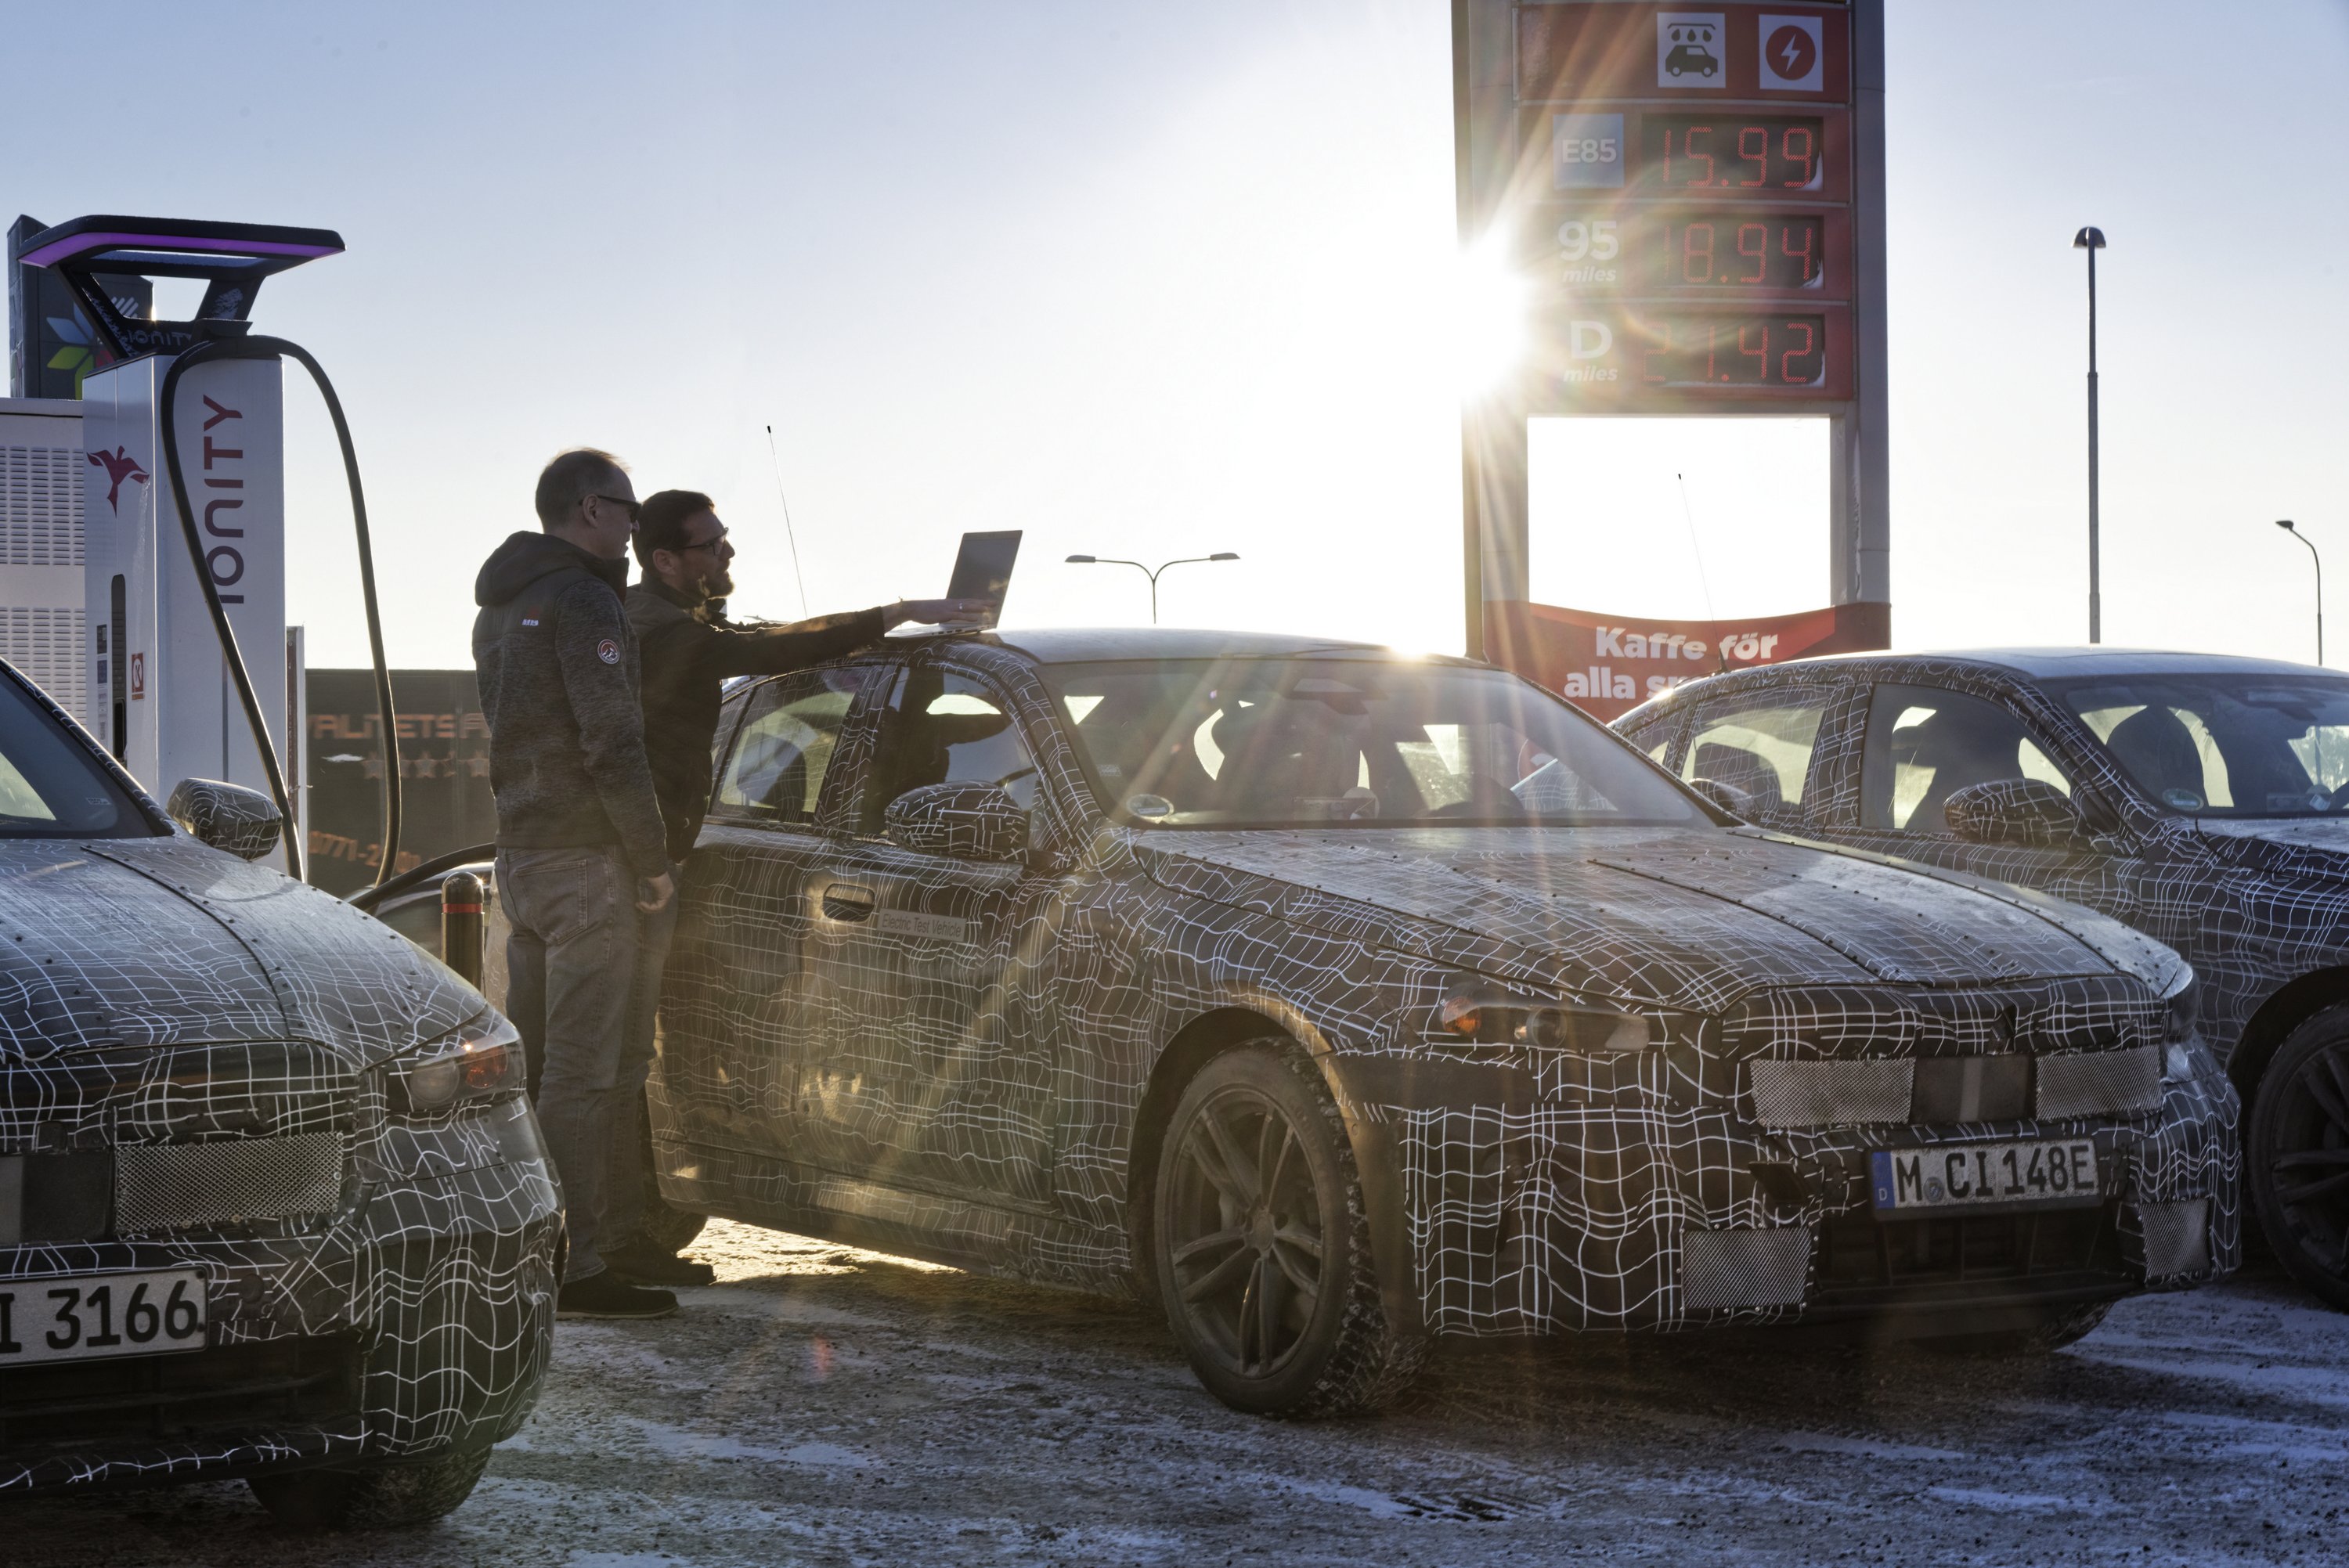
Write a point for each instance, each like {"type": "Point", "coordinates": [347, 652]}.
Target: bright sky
{"type": "Point", "coordinates": [1151, 281]}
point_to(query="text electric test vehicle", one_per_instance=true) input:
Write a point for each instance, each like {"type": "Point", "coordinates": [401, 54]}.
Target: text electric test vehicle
{"type": "Point", "coordinates": [1338, 1000]}
{"type": "Point", "coordinates": [2202, 798]}
{"type": "Point", "coordinates": [271, 1201]}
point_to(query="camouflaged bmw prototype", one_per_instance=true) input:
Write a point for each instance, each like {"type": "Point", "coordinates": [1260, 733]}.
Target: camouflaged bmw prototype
{"type": "Point", "coordinates": [1338, 1000]}
{"type": "Point", "coordinates": [272, 1203]}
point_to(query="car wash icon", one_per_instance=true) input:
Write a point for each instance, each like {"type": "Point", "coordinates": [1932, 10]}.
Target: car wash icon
{"type": "Point", "coordinates": [1686, 42]}
{"type": "Point", "coordinates": [119, 466]}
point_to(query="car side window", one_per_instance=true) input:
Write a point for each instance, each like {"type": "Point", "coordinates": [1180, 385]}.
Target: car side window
{"type": "Point", "coordinates": [785, 746]}
{"type": "Point", "coordinates": [1655, 737]}
{"type": "Point", "coordinates": [1924, 744]}
{"type": "Point", "coordinates": [1760, 743]}
{"type": "Point", "coordinates": [944, 727]}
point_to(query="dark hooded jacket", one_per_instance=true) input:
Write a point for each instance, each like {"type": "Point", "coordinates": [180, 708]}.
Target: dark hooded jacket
{"type": "Point", "coordinates": [690, 650]}
{"type": "Point", "coordinates": [557, 666]}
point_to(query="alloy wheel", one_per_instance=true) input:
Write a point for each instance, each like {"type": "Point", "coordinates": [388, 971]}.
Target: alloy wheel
{"type": "Point", "coordinates": [1245, 1232]}
{"type": "Point", "coordinates": [2308, 1172]}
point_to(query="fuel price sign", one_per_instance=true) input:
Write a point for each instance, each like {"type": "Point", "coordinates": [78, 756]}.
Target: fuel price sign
{"type": "Point", "coordinates": [1684, 200]}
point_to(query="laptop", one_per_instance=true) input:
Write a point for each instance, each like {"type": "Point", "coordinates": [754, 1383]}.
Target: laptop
{"type": "Point", "coordinates": [983, 569]}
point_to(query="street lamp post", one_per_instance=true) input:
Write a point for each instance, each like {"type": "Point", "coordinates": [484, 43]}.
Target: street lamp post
{"type": "Point", "coordinates": [2091, 239]}
{"type": "Point", "coordinates": [1146, 572]}
{"type": "Point", "coordinates": [2285, 524]}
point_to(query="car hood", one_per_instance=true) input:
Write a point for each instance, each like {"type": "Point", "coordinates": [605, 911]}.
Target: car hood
{"type": "Point", "coordinates": [2319, 844]}
{"type": "Point", "coordinates": [1684, 918]}
{"type": "Point", "coordinates": [164, 942]}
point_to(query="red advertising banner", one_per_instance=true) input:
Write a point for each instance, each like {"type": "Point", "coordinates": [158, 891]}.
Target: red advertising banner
{"type": "Point", "coordinates": [1608, 665]}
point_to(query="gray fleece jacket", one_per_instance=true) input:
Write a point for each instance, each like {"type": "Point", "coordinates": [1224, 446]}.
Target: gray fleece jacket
{"type": "Point", "coordinates": [557, 665]}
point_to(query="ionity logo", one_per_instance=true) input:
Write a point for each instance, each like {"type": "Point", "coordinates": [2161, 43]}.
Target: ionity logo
{"type": "Point", "coordinates": [119, 466]}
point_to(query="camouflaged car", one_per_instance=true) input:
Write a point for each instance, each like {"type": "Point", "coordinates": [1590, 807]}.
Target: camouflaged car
{"type": "Point", "coordinates": [2202, 798]}
{"type": "Point", "coordinates": [1338, 1000]}
{"type": "Point", "coordinates": [272, 1205]}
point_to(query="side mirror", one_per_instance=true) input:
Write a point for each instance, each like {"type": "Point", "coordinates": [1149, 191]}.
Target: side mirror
{"type": "Point", "coordinates": [2029, 813]}
{"type": "Point", "coordinates": [971, 821]}
{"type": "Point", "coordinates": [228, 817]}
{"type": "Point", "coordinates": [1728, 797]}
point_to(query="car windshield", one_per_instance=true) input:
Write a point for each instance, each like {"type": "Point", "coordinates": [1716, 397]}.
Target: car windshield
{"type": "Point", "coordinates": [1296, 742]}
{"type": "Point", "coordinates": [2224, 745]}
{"type": "Point", "coordinates": [49, 787]}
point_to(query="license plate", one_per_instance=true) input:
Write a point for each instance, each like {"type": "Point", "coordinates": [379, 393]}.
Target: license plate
{"type": "Point", "coordinates": [2043, 1173]}
{"type": "Point", "coordinates": [89, 1318]}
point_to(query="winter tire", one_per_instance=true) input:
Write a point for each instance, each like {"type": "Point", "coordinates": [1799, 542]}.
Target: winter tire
{"type": "Point", "coordinates": [1262, 1244]}
{"type": "Point", "coordinates": [2297, 1152]}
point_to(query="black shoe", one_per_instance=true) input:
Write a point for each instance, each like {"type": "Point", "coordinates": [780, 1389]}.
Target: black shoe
{"type": "Point", "coordinates": [640, 1263]}
{"type": "Point", "coordinates": [606, 1294]}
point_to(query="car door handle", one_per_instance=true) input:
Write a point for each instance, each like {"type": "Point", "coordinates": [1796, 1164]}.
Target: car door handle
{"type": "Point", "coordinates": [846, 901]}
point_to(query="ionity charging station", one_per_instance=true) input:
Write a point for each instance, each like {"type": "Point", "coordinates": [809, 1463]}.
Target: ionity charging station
{"type": "Point", "coordinates": [145, 520]}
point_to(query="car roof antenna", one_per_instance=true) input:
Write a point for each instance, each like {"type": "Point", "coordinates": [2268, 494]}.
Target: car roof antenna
{"type": "Point", "coordinates": [790, 533]}
{"type": "Point", "coordinates": [1697, 549]}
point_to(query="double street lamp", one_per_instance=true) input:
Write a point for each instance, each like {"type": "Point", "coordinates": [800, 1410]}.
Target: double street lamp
{"type": "Point", "coordinates": [2285, 524]}
{"type": "Point", "coordinates": [1149, 572]}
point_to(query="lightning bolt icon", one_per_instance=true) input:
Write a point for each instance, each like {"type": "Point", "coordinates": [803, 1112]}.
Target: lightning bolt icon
{"type": "Point", "coordinates": [1792, 55]}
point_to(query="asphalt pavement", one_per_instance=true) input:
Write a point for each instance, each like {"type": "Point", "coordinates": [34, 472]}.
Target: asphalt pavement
{"type": "Point", "coordinates": [822, 1405]}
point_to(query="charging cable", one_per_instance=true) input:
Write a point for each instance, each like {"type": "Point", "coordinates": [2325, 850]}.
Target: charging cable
{"type": "Point", "coordinates": [278, 348]}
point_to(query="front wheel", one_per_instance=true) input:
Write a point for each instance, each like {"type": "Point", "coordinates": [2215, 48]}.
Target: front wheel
{"type": "Point", "coordinates": [388, 1496]}
{"type": "Point", "coordinates": [2297, 1149]}
{"type": "Point", "coordinates": [1261, 1244]}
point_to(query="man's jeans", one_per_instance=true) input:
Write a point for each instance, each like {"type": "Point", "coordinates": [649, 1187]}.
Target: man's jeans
{"type": "Point", "coordinates": [625, 1178]}
{"type": "Point", "coordinates": [570, 960]}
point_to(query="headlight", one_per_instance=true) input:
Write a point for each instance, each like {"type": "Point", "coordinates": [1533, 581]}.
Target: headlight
{"type": "Point", "coordinates": [480, 1061]}
{"type": "Point", "coordinates": [1477, 1011]}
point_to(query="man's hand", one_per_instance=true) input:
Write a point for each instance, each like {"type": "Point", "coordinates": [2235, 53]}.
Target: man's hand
{"type": "Point", "coordinates": [939, 612]}
{"type": "Point", "coordinates": [654, 893]}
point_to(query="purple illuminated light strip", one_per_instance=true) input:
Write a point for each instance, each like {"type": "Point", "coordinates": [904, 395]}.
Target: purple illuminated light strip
{"type": "Point", "coordinates": [76, 245]}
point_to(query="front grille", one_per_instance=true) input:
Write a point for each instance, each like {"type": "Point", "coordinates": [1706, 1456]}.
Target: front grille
{"type": "Point", "coordinates": [1940, 1091]}
{"type": "Point", "coordinates": [236, 1390]}
{"type": "Point", "coordinates": [165, 1186]}
{"type": "Point", "coordinates": [1831, 1093]}
{"type": "Point", "coordinates": [2100, 1083]}
{"type": "Point", "coordinates": [1971, 1088]}
{"type": "Point", "coordinates": [1859, 1254]}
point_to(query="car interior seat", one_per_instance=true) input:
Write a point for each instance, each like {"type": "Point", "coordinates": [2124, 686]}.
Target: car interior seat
{"type": "Point", "coordinates": [1963, 744]}
{"type": "Point", "coordinates": [1278, 753]}
{"type": "Point", "coordinates": [2157, 749]}
{"type": "Point", "coordinates": [1740, 769]}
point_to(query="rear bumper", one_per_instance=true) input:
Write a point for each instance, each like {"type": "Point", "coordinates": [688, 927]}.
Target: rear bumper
{"type": "Point", "coordinates": [1496, 1210]}
{"type": "Point", "coordinates": [418, 1320]}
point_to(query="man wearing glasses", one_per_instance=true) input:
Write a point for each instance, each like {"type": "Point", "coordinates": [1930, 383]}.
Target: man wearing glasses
{"type": "Point", "coordinates": [677, 610]}
{"type": "Point", "coordinates": [581, 852]}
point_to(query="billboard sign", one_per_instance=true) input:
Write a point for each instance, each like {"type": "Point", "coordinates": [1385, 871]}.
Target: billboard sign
{"type": "Point", "coordinates": [444, 764]}
{"type": "Point", "coordinates": [1608, 664]}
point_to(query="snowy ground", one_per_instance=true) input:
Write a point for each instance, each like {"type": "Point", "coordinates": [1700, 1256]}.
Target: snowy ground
{"type": "Point", "coordinates": [827, 1406]}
